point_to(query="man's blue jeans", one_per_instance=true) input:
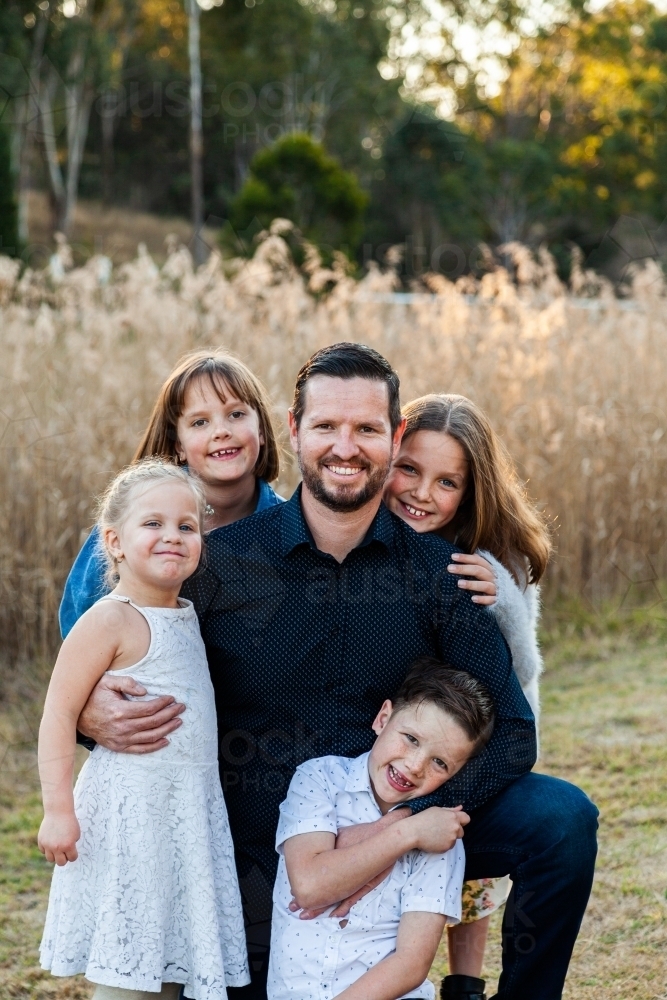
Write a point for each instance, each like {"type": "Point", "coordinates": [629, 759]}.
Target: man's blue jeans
{"type": "Point", "coordinates": [542, 832]}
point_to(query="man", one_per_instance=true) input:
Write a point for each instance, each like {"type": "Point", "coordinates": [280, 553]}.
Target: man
{"type": "Point", "coordinates": [311, 613]}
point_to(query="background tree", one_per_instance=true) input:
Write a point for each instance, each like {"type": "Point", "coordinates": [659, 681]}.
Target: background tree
{"type": "Point", "coordinates": [576, 137]}
{"type": "Point", "coordinates": [196, 131]}
{"type": "Point", "coordinates": [8, 208]}
{"type": "Point", "coordinates": [427, 195]}
{"type": "Point", "coordinates": [21, 51]}
{"type": "Point", "coordinates": [571, 138]}
{"type": "Point", "coordinates": [297, 180]}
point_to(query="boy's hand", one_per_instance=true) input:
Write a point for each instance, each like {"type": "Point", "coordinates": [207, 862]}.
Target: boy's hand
{"type": "Point", "coordinates": [58, 836]}
{"type": "Point", "coordinates": [436, 830]}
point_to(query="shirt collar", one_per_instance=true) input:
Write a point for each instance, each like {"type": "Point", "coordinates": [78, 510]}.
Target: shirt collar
{"type": "Point", "coordinates": [294, 529]}
{"type": "Point", "coordinates": [296, 532]}
{"type": "Point", "coordinates": [358, 778]}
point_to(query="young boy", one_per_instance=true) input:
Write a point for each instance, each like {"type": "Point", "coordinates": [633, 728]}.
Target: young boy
{"type": "Point", "coordinates": [385, 948]}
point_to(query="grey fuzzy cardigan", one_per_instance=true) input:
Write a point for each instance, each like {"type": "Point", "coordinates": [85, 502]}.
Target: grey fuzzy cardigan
{"type": "Point", "coordinates": [517, 612]}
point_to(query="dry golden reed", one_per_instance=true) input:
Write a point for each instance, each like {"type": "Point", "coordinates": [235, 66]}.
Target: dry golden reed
{"type": "Point", "coordinates": [575, 386]}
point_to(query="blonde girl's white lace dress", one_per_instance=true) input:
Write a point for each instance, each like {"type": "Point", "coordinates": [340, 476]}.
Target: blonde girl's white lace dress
{"type": "Point", "coordinates": [154, 896]}
{"type": "Point", "coordinates": [517, 611]}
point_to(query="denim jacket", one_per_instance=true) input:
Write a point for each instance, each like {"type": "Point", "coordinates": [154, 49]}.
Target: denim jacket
{"type": "Point", "coordinates": [86, 583]}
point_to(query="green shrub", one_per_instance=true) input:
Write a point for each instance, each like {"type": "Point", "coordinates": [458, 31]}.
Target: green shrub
{"type": "Point", "coordinates": [296, 179]}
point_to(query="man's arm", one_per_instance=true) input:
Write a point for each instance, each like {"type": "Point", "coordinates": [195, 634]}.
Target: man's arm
{"type": "Point", "coordinates": [321, 875]}
{"type": "Point", "coordinates": [469, 639]}
{"type": "Point", "coordinates": [408, 966]}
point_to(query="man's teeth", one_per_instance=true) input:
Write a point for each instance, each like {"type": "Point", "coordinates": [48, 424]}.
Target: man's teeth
{"type": "Point", "coordinates": [415, 511]}
{"type": "Point", "coordinates": [343, 470]}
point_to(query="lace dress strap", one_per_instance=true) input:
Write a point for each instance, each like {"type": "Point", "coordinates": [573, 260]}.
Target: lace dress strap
{"type": "Point", "coordinates": [153, 622]}
{"type": "Point", "coordinates": [118, 597]}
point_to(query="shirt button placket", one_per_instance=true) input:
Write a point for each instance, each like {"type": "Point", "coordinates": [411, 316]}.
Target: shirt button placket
{"type": "Point", "coordinates": [336, 636]}
{"type": "Point", "coordinates": [329, 967]}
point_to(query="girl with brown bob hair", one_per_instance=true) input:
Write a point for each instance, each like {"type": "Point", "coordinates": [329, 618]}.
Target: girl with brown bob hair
{"type": "Point", "coordinates": [454, 476]}
{"type": "Point", "coordinates": [227, 376]}
{"type": "Point", "coordinates": [213, 416]}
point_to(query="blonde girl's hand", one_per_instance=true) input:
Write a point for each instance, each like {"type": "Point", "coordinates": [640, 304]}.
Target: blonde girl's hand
{"type": "Point", "coordinates": [477, 575]}
{"type": "Point", "coordinates": [58, 836]}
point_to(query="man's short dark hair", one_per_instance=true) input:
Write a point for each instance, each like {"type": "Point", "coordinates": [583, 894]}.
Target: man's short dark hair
{"type": "Point", "coordinates": [349, 361]}
{"type": "Point", "coordinates": [456, 692]}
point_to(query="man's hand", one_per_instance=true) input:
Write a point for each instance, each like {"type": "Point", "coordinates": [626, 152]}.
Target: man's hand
{"type": "Point", "coordinates": [128, 726]}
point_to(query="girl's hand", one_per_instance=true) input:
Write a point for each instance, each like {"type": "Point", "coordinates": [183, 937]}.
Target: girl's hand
{"type": "Point", "coordinates": [479, 574]}
{"type": "Point", "coordinates": [58, 836]}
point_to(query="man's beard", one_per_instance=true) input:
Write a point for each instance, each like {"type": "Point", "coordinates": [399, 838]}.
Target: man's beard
{"type": "Point", "coordinates": [345, 498]}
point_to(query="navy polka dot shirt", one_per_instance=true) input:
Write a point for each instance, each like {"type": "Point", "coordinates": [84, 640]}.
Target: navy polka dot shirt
{"type": "Point", "coordinates": [303, 651]}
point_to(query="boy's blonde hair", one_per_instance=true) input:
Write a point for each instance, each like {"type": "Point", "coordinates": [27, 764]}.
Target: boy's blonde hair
{"type": "Point", "coordinates": [114, 504]}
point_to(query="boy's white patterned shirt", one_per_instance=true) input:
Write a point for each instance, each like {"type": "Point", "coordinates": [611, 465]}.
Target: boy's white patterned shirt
{"type": "Point", "coordinates": [317, 959]}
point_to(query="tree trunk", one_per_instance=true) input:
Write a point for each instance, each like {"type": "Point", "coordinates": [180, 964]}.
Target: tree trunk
{"type": "Point", "coordinates": [29, 126]}
{"type": "Point", "coordinates": [47, 94]}
{"type": "Point", "coordinates": [109, 112]}
{"type": "Point", "coordinates": [79, 103]}
{"type": "Point", "coordinates": [196, 134]}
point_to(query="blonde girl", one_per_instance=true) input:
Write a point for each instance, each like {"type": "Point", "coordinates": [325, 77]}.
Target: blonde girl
{"type": "Point", "coordinates": [144, 897]}
{"type": "Point", "coordinates": [452, 475]}
{"type": "Point", "coordinates": [213, 416]}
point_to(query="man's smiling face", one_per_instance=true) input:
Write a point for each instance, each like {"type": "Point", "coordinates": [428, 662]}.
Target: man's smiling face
{"type": "Point", "coordinates": [344, 442]}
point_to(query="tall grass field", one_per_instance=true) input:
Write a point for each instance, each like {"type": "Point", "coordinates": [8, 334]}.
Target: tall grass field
{"type": "Point", "coordinates": [575, 385]}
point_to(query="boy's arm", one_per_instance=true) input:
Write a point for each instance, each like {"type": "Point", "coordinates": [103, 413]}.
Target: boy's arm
{"type": "Point", "coordinates": [406, 968]}
{"type": "Point", "coordinates": [360, 832]}
{"type": "Point", "coordinates": [320, 876]}
{"type": "Point", "coordinates": [85, 655]}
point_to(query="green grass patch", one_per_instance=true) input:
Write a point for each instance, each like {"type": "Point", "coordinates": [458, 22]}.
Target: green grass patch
{"type": "Point", "coordinates": [604, 728]}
